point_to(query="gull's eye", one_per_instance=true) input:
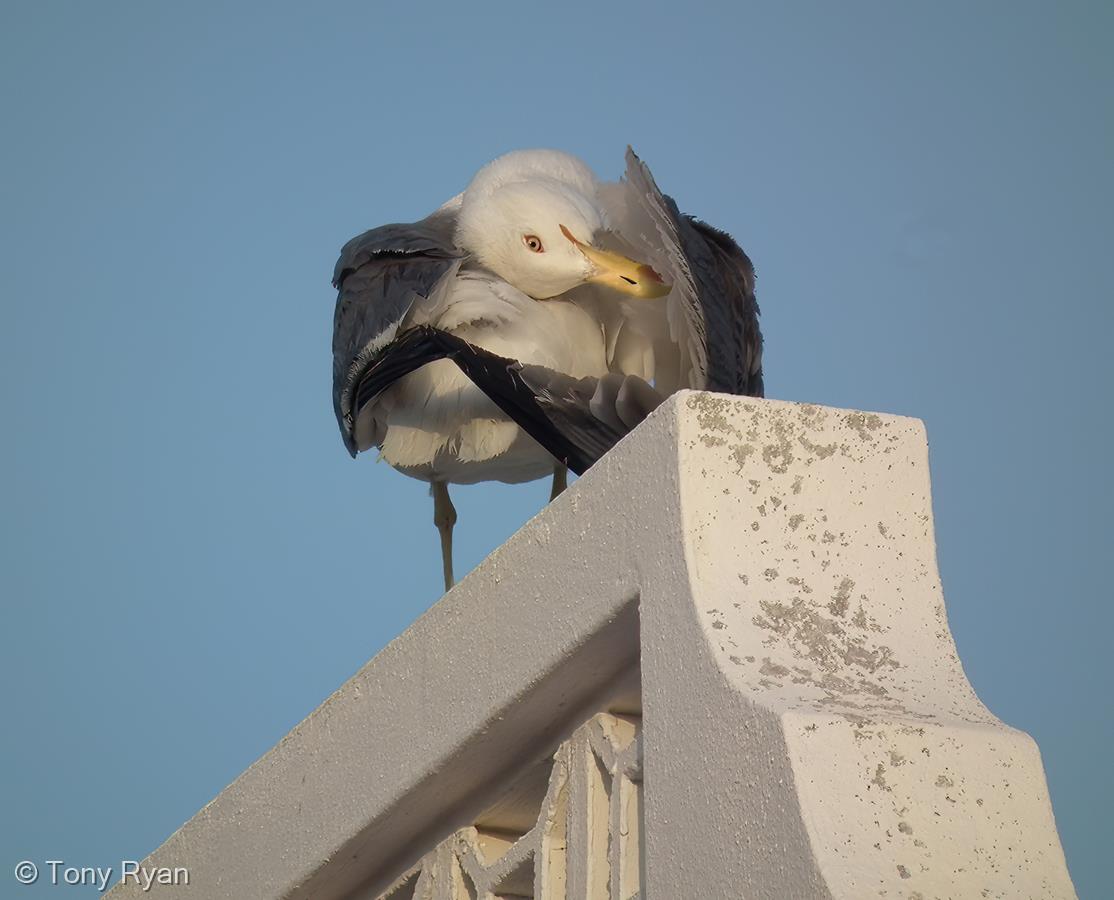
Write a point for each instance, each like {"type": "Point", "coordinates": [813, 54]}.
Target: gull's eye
{"type": "Point", "coordinates": [533, 242]}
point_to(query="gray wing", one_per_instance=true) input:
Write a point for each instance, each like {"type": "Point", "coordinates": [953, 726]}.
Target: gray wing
{"type": "Point", "coordinates": [378, 277]}
{"type": "Point", "coordinates": [724, 276]}
{"type": "Point", "coordinates": [715, 316]}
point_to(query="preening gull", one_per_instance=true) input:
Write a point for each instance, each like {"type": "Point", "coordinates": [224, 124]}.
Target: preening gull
{"type": "Point", "coordinates": [530, 322]}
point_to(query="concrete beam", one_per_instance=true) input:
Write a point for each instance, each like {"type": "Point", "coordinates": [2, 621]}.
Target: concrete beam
{"type": "Point", "coordinates": [807, 728]}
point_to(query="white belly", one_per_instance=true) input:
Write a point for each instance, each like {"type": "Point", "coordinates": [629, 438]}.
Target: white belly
{"type": "Point", "coordinates": [438, 426]}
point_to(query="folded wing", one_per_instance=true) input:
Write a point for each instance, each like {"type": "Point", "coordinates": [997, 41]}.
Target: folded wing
{"type": "Point", "coordinates": [379, 277]}
{"type": "Point", "coordinates": [576, 420]}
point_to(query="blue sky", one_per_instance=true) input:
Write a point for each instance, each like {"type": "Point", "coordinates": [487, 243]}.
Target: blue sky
{"type": "Point", "coordinates": [190, 562]}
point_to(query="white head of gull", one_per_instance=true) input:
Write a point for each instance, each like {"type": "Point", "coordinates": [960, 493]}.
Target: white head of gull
{"type": "Point", "coordinates": [531, 217]}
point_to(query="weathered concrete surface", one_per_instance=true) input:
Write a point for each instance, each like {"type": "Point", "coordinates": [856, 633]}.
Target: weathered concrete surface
{"type": "Point", "coordinates": [830, 709]}
{"type": "Point", "coordinates": [807, 727]}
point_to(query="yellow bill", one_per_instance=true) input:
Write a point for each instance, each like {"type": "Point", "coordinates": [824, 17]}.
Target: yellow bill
{"type": "Point", "coordinates": [621, 273]}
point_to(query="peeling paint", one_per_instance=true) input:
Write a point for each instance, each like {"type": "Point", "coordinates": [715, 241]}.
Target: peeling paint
{"type": "Point", "coordinates": [772, 668]}
{"type": "Point", "coordinates": [841, 599]}
{"type": "Point", "coordinates": [821, 451]}
{"type": "Point", "coordinates": [879, 779]}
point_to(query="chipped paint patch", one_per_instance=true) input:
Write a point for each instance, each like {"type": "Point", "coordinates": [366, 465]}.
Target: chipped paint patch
{"type": "Point", "coordinates": [841, 599]}
{"type": "Point", "coordinates": [811, 635]}
{"type": "Point", "coordinates": [772, 668]}
{"type": "Point", "coordinates": [864, 424]}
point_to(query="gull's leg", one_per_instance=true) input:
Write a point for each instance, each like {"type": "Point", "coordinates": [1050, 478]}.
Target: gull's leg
{"type": "Point", "coordinates": [444, 517]}
{"type": "Point", "coordinates": [560, 481]}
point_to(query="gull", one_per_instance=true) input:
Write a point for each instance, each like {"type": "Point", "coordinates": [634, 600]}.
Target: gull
{"type": "Point", "coordinates": [400, 284]}
{"type": "Point", "coordinates": [494, 269]}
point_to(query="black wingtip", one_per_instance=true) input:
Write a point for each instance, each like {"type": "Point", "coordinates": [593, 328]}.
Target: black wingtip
{"type": "Point", "coordinates": [495, 375]}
